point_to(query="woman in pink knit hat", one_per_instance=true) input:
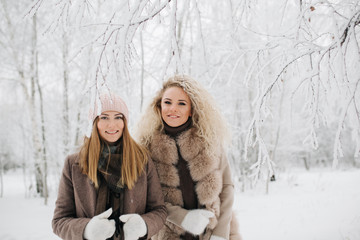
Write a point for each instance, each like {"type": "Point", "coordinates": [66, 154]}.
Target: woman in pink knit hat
{"type": "Point", "coordinates": [110, 189]}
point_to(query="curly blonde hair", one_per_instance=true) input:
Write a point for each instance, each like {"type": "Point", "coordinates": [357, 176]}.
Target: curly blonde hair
{"type": "Point", "coordinates": [209, 123]}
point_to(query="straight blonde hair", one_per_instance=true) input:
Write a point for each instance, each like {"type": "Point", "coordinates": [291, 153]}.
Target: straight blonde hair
{"type": "Point", "coordinates": [134, 156]}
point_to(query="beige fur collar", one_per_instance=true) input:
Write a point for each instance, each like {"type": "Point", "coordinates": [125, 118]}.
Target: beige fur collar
{"type": "Point", "coordinates": [203, 169]}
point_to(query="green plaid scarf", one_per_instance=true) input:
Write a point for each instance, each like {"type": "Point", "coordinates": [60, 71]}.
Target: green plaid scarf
{"type": "Point", "coordinates": [109, 165]}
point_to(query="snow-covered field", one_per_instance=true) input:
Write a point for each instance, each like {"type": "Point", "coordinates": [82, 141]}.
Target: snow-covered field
{"type": "Point", "coordinates": [315, 205]}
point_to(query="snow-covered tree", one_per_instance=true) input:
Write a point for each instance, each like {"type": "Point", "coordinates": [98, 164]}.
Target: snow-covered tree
{"type": "Point", "coordinates": [285, 73]}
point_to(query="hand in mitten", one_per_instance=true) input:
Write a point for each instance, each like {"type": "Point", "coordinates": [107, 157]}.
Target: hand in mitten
{"type": "Point", "coordinates": [134, 227]}
{"type": "Point", "coordinates": [99, 227]}
{"type": "Point", "coordinates": [213, 237]}
{"type": "Point", "coordinates": [195, 221]}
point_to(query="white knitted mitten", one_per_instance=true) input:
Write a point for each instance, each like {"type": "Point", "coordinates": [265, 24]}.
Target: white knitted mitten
{"type": "Point", "coordinates": [195, 221]}
{"type": "Point", "coordinates": [134, 227]}
{"type": "Point", "coordinates": [99, 227]}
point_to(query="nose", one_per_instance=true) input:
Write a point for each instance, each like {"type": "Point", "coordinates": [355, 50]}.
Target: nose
{"type": "Point", "coordinates": [111, 123]}
{"type": "Point", "coordinates": [173, 108]}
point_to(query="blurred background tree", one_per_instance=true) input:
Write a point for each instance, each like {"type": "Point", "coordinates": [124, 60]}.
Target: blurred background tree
{"type": "Point", "coordinates": [284, 73]}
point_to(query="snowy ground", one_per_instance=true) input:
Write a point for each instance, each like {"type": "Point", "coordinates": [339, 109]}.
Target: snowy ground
{"type": "Point", "coordinates": [316, 205]}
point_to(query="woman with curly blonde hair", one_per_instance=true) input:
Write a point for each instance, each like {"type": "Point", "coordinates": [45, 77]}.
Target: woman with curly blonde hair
{"type": "Point", "coordinates": [186, 134]}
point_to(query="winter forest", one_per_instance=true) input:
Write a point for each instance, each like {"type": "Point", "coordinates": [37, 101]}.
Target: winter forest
{"type": "Point", "coordinates": [285, 74]}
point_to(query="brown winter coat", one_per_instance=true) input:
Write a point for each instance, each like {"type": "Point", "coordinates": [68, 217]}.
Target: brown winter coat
{"type": "Point", "coordinates": [76, 201]}
{"type": "Point", "coordinates": [212, 175]}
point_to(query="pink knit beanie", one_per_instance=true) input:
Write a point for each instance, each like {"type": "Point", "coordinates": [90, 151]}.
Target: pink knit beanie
{"type": "Point", "coordinates": [109, 102]}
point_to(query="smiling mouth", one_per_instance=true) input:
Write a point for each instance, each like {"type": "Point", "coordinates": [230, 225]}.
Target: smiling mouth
{"type": "Point", "coordinates": [112, 132]}
{"type": "Point", "coordinates": [172, 116]}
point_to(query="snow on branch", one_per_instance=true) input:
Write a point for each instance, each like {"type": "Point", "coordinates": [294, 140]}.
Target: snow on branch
{"type": "Point", "coordinates": [337, 145]}
{"type": "Point", "coordinates": [254, 131]}
{"type": "Point", "coordinates": [327, 55]}
{"type": "Point", "coordinates": [112, 39]}
{"type": "Point", "coordinates": [353, 22]}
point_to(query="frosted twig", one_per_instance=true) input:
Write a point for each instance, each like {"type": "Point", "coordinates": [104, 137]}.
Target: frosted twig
{"type": "Point", "coordinates": [337, 145]}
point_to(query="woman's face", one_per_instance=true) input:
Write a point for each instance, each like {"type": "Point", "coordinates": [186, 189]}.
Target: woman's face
{"type": "Point", "coordinates": [175, 106]}
{"type": "Point", "coordinates": [111, 126]}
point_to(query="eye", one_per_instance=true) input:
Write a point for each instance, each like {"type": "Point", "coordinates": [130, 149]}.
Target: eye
{"type": "Point", "coordinates": [167, 102]}
{"type": "Point", "coordinates": [182, 103]}
{"type": "Point", "coordinates": [103, 117]}
{"type": "Point", "coordinates": [119, 117]}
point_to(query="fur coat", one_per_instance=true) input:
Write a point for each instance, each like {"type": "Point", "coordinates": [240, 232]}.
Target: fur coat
{"type": "Point", "coordinates": [213, 184]}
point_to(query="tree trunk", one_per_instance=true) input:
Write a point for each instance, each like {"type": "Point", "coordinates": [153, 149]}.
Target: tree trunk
{"type": "Point", "coordinates": [44, 155]}
{"type": "Point", "coordinates": [35, 133]}
{"type": "Point", "coordinates": [267, 182]}
{"type": "Point", "coordinates": [66, 121]}
{"type": "Point", "coordinates": [1, 177]}
{"type": "Point", "coordinates": [41, 162]}
{"type": "Point", "coordinates": [306, 163]}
